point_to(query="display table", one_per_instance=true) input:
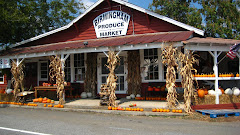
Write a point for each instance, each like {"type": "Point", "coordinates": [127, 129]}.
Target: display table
{"type": "Point", "coordinates": [51, 88]}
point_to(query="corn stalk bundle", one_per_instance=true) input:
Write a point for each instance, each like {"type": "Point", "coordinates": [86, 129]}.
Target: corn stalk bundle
{"type": "Point", "coordinates": [112, 62]}
{"type": "Point", "coordinates": [187, 61]}
{"type": "Point", "coordinates": [169, 55]}
{"type": "Point", "coordinates": [91, 73]}
{"type": "Point", "coordinates": [18, 77]}
{"type": "Point", "coordinates": [134, 76]}
{"type": "Point", "coordinates": [56, 71]}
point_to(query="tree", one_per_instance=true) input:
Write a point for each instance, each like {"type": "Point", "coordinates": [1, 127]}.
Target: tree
{"type": "Point", "coordinates": [182, 11]}
{"type": "Point", "coordinates": [217, 18]}
{"type": "Point", "coordinates": [23, 19]}
{"type": "Point", "coordinates": [222, 18]}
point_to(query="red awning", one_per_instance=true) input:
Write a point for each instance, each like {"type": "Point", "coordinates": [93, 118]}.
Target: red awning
{"type": "Point", "coordinates": [113, 41]}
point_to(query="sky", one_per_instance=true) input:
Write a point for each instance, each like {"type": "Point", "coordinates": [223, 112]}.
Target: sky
{"type": "Point", "coordinates": [140, 3]}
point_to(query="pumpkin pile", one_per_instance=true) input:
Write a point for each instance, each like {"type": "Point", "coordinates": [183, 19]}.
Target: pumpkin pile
{"type": "Point", "coordinates": [125, 108]}
{"type": "Point", "coordinates": [166, 110]}
{"type": "Point", "coordinates": [17, 103]}
{"type": "Point", "coordinates": [151, 98]}
{"type": "Point", "coordinates": [47, 102]}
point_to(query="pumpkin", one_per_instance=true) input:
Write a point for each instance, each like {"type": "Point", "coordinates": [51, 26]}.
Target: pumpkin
{"type": "Point", "coordinates": [205, 91]}
{"type": "Point", "coordinates": [237, 75]}
{"type": "Point", "coordinates": [150, 88]}
{"type": "Point", "coordinates": [49, 101]}
{"type": "Point", "coordinates": [141, 110]}
{"type": "Point", "coordinates": [211, 92]}
{"type": "Point", "coordinates": [236, 91]}
{"type": "Point", "coordinates": [201, 93]}
{"type": "Point", "coordinates": [173, 110]}
{"type": "Point", "coordinates": [154, 110]}
{"type": "Point", "coordinates": [35, 100]}
{"type": "Point", "coordinates": [179, 111]}
{"type": "Point", "coordinates": [40, 100]}
{"type": "Point", "coordinates": [228, 91]}
{"type": "Point", "coordinates": [45, 105]}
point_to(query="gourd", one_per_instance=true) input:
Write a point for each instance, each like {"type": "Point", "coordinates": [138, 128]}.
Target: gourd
{"type": "Point", "coordinates": [228, 91]}
{"type": "Point", "coordinates": [201, 93]}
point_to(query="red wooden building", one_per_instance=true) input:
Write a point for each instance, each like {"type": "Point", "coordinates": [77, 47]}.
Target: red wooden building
{"type": "Point", "coordinates": [114, 24]}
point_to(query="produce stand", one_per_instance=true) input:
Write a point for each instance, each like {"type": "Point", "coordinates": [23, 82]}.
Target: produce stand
{"type": "Point", "coordinates": [215, 47]}
{"type": "Point", "coordinates": [51, 88]}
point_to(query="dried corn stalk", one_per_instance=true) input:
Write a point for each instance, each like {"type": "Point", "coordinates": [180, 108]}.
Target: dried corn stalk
{"type": "Point", "coordinates": [134, 76]}
{"type": "Point", "coordinates": [91, 73]}
{"type": "Point", "coordinates": [18, 76]}
{"type": "Point", "coordinates": [112, 62]}
{"type": "Point", "coordinates": [56, 71]}
{"type": "Point", "coordinates": [169, 55]}
{"type": "Point", "coordinates": [186, 71]}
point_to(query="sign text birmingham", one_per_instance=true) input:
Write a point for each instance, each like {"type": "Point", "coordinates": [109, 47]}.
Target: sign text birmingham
{"type": "Point", "coordinates": [111, 15]}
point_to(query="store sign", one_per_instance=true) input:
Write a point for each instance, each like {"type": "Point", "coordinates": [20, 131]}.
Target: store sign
{"type": "Point", "coordinates": [5, 63]}
{"type": "Point", "coordinates": [111, 23]}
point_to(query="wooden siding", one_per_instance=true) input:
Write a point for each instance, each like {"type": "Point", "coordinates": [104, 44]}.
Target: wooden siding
{"type": "Point", "coordinates": [84, 29]}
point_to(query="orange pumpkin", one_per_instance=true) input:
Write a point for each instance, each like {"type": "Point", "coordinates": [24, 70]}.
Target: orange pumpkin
{"type": "Point", "coordinates": [201, 93]}
{"type": "Point", "coordinates": [109, 108]}
{"type": "Point", "coordinates": [49, 101]}
{"type": "Point", "coordinates": [40, 100]}
{"type": "Point", "coordinates": [154, 110]}
{"type": "Point", "coordinates": [141, 110]}
{"type": "Point", "coordinates": [237, 75]}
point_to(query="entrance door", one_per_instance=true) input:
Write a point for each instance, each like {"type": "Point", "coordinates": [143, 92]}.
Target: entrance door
{"type": "Point", "coordinates": [120, 72]}
{"type": "Point", "coordinates": [30, 79]}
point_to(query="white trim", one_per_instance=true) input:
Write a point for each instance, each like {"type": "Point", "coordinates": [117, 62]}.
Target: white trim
{"type": "Point", "coordinates": [207, 47]}
{"type": "Point", "coordinates": [2, 82]}
{"type": "Point", "coordinates": [96, 49]}
{"type": "Point", "coordinates": [164, 18]}
{"type": "Point", "coordinates": [73, 68]}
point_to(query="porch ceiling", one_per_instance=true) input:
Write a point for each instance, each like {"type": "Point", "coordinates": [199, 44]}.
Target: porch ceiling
{"type": "Point", "coordinates": [129, 42]}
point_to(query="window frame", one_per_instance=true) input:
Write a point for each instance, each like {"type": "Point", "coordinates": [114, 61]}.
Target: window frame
{"type": "Point", "coordinates": [2, 82]}
{"type": "Point", "coordinates": [40, 77]}
{"type": "Point", "coordinates": [72, 59]}
{"type": "Point", "coordinates": [160, 68]}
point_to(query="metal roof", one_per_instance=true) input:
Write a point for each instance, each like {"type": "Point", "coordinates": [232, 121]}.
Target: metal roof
{"type": "Point", "coordinates": [210, 40]}
{"type": "Point", "coordinates": [141, 39]}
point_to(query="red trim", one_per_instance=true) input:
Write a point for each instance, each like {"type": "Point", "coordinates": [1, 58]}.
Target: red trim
{"type": "Point", "coordinates": [217, 106]}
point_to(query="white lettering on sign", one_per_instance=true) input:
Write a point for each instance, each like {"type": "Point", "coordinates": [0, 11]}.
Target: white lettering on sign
{"type": "Point", "coordinates": [111, 23]}
{"type": "Point", "coordinates": [5, 63]}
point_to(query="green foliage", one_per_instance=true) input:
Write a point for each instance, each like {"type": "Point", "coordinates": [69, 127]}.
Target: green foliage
{"type": "Point", "coordinates": [23, 19]}
{"type": "Point", "coordinates": [216, 18]}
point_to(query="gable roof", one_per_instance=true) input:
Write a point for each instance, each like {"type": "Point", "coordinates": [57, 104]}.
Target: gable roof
{"type": "Point", "coordinates": [164, 18]}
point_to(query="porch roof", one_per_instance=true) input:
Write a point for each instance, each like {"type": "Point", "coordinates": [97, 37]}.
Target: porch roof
{"type": "Point", "coordinates": [129, 42]}
{"type": "Point", "coordinates": [209, 44]}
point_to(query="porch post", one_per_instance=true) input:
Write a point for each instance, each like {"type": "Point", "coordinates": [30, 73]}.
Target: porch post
{"type": "Point", "coordinates": [215, 68]}
{"type": "Point", "coordinates": [63, 59]}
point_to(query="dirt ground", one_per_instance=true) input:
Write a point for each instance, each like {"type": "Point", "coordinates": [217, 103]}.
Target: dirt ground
{"type": "Point", "coordinates": [198, 116]}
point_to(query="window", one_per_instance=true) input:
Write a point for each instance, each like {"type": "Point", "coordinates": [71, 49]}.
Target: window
{"type": "Point", "coordinates": [79, 67]}
{"type": "Point", "coordinates": [151, 64]}
{"type": "Point", "coordinates": [1, 78]}
{"type": "Point", "coordinates": [43, 71]}
{"type": "Point", "coordinates": [67, 70]}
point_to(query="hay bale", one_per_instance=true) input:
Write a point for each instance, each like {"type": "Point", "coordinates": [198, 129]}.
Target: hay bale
{"type": "Point", "coordinates": [223, 99]}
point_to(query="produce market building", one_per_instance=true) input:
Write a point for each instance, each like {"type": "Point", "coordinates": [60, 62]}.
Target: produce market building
{"type": "Point", "coordinates": [136, 34]}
